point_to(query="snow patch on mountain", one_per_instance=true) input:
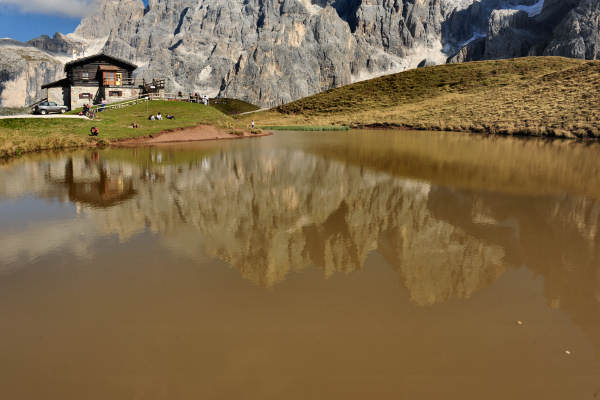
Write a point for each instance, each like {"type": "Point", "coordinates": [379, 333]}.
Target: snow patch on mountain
{"type": "Point", "coordinates": [476, 35]}
{"type": "Point", "coordinates": [532, 10]}
{"type": "Point", "coordinates": [311, 7]}
{"type": "Point", "coordinates": [457, 5]}
{"type": "Point", "coordinates": [431, 54]}
{"type": "Point", "coordinates": [92, 46]}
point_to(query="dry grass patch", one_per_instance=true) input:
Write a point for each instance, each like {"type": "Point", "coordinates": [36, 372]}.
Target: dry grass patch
{"type": "Point", "coordinates": [14, 144]}
{"type": "Point", "coordinates": [544, 96]}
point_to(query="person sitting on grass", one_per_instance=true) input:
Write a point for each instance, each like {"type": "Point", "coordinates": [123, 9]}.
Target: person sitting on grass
{"type": "Point", "coordinates": [159, 116]}
{"type": "Point", "coordinates": [94, 131]}
{"type": "Point", "coordinates": [134, 125]}
{"type": "Point", "coordinates": [151, 118]}
{"type": "Point", "coordinates": [170, 116]}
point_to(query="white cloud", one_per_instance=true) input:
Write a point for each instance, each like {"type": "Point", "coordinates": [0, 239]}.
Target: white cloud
{"type": "Point", "coordinates": [69, 8]}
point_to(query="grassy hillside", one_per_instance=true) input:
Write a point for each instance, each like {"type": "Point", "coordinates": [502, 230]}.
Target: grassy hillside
{"type": "Point", "coordinates": [550, 96]}
{"type": "Point", "coordinates": [232, 106]}
{"type": "Point", "coordinates": [23, 135]}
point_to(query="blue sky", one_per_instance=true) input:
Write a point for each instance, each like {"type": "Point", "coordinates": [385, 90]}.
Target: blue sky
{"type": "Point", "coordinates": [27, 26]}
{"type": "Point", "coordinates": [27, 19]}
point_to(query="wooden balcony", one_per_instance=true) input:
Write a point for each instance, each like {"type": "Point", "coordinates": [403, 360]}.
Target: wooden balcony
{"type": "Point", "coordinates": [128, 83]}
{"type": "Point", "coordinates": [149, 86]}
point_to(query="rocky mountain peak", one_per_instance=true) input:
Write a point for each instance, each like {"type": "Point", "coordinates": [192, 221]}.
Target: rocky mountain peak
{"type": "Point", "coordinates": [107, 15]}
{"type": "Point", "coordinates": [270, 52]}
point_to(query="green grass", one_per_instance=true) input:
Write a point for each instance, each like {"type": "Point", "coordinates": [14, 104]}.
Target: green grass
{"type": "Point", "coordinates": [549, 96]}
{"type": "Point", "coordinates": [232, 106]}
{"type": "Point", "coordinates": [24, 135]}
{"type": "Point", "coordinates": [305, 128]}
{"type": "Point", "coordinates": [76, 111]}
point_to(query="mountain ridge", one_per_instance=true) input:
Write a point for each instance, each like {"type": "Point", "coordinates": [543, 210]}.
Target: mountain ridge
{"type": "Point", "coordinates": [270, 52]}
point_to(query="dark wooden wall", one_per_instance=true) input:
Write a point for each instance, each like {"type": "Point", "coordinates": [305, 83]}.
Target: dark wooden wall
{"type": "Point", "coordinates": [74, 73]}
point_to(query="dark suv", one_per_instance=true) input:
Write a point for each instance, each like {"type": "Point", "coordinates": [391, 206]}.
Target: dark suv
{"type": "Point", "coordinates": [47, 107]}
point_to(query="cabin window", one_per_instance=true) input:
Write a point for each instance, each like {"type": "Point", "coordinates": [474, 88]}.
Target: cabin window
{"type": "Point", "coordinates": [115, 93]}
{"type": "Point", "coordinates": [85, 75]}
{"type": "Point", "coordinates": [109, 78]}
{"type": "Point", "coordinates": [119, 79]}
{"type": "Point", "coordinates": [85, 95]}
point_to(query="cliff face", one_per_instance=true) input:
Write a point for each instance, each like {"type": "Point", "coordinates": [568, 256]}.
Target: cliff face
{"type": "Point", "coordinates": [59, 44]}
{"type": "Point", "coordinates": [269, 52]}
{"type": "Point", "coordinates": [23, 70]}
{"type": "Point", "coordinates": [567, 28]}
{"type": "Point", "coordinates": [578, 35]}
{"type": "Point", "coordinates": [273, 51]}
{"type": "Point", "coordinates": [109, 15]}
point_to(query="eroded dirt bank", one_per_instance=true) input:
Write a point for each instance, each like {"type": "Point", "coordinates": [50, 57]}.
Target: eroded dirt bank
{"type": "Point", "coordinates": [193, 134]}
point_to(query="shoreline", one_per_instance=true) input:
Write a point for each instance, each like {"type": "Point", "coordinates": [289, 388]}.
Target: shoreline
{"type": "Point", "coordinates": [541, 132]}
{"type": "Point", "coordinates": [196, 133]}
{"type": "Point", "coordinates": [189, 134]}
{"type": "Point", "coordinates": [206, 132]}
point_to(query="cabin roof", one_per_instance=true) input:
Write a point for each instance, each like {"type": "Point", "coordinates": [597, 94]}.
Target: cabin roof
{"type": "Point", "coordinates": [111, 59]}
{"type": "Point", "coordinates": [59, 83]}
{"type": "Point", "coordinates": [108, 68]}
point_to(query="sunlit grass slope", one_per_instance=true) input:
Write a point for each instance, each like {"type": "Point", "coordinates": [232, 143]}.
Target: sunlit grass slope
{"type": "Point", "coordinates": [550, 96]}
{"type": "Point", "coordinates": [23, 135]}
{"type": "Point", "coordinates": [232, 106]}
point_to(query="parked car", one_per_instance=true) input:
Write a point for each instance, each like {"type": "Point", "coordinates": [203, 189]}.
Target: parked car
{"type": "Point", "coordinates": [47, 107]}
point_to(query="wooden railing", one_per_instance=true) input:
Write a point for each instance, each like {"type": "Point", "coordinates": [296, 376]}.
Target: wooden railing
{"type": "Point", "coordinates": [143, 98]}
{"type": "Point", "coordinates": [154, 84]}
{"type": "Point", "coordinates": [123, 83]}
{"type": "Point", "coordinates": [121, 104]}
{"type": "Point", "coordinates": [35, 103]}
{"type": "Point", "coordinates": [190, 98]}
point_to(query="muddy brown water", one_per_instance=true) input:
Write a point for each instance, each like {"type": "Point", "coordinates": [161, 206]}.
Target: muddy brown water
{"type": "Point", "coordinates": [354, 265]}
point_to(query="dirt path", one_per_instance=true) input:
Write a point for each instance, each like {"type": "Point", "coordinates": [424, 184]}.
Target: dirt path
{"type": "Point", "coordinates": [49, 116]}
{"type": "Point", "coordinates": [255, 111]}
{"type": "Point", "coordinates": [197, 133]}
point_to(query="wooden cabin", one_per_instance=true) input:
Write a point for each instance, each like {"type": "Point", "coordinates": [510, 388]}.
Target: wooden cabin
{"type": "Point", "coordinates": [91, 79]}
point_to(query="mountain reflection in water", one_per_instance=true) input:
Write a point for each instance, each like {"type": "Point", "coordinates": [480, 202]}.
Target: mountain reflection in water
{"type": "Point", "coordinates": [456, 217]}
{"type": "Point", "coordinates": [269, 211]}
{"type": "Point", "coordinates": [271, 215]}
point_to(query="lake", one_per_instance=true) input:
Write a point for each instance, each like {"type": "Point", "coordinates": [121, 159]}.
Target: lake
{"type": "Point", "coordinates": [370, 264]}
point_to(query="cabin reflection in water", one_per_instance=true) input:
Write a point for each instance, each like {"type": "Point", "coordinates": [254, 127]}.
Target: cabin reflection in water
{"type": "Point", "coordinates": [94, 185]}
